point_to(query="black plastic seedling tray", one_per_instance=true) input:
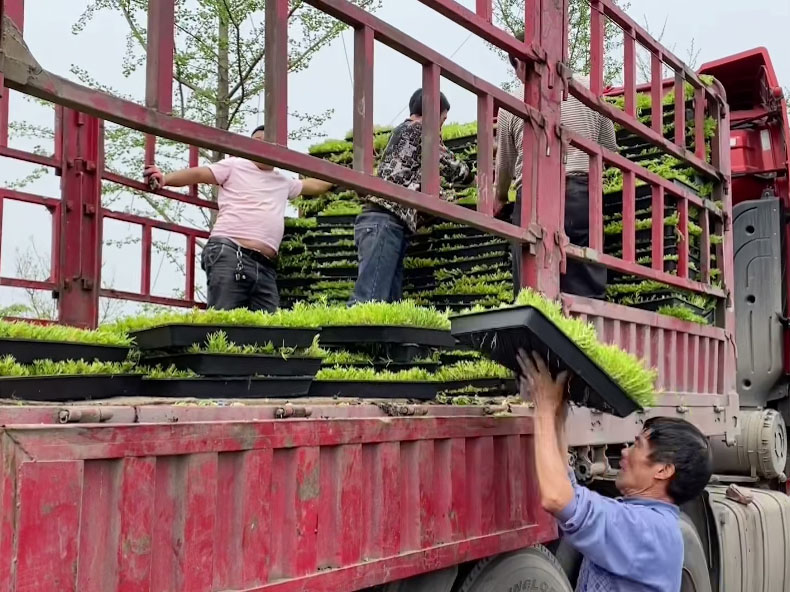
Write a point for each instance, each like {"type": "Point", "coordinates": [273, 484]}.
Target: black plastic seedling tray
{"type": "Point", "coordinates": [228, 388]}
{"type": "Point", "coordinates": [327, 238]}
{"type": "Point", "coordinates": [212, 364]}
{"type": "Point", "coordinates": [169, 337]}
{"type": "Point", "coordinates": [671, 301]}
{"type": "Point", "coordinates": [27, 350]}
{"type": "Point", "coordinates": [497, 385]}
{"type": "Point", "coordinates": [385, 334]}
{"type": "Point", "coordinates": [390, 365]}
{"type": "Point", "coordinates": [502, 333]}
{"type": "Point", "coordinates": [69, 388]}
{"type": "Point", "coordinates": [374, 390]}
{"type": "Point", "coordinates": [345, 220]}
{"type": "Point", "coordinates": [338, 272]}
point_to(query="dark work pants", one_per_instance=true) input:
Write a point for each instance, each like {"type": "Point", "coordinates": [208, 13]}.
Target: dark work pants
{"type": "Point", "coordinates": [239, 278]}
{"type": "Point", "coordinates": [581, 279]}
{"type": "Point", "coordinates": [381, 240]}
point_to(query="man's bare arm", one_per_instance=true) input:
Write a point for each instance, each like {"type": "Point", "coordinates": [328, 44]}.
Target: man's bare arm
{"type": "Point", "coordinates": [551, 465]}
{"type": "Point", "coordinates": [312, 186]}
{"type": "Point", "coordinates": [182, 178]}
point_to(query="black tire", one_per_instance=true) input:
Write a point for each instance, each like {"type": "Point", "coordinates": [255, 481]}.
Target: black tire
{"type": "Point", "coordinates": [528, 569]}
{"type": "Point", "coordinates": [696, 577]}
{"type": "Point", "coordinates": [570, 560]}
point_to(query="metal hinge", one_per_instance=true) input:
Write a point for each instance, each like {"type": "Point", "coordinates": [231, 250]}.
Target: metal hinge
{"type": "Point", "coordinates": [289, 411]}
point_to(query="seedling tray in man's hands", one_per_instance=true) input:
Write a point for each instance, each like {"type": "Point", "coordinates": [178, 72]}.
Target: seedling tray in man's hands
{"type": "Point", "coordinates": [502, 333]}
{"type": "Point", "coordinates": [169, 337]}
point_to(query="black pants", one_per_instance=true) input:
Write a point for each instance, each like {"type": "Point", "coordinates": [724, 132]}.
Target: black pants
{"type": "Point", "coordinates": [238, 277]}
{"type": "Point", "coordinates": [582, 279]}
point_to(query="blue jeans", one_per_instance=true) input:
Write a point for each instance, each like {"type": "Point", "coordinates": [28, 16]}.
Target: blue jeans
{"type": "Point", "coordinates": [238, 278]}
{"type": "Point", "coordinates": [381, 240]}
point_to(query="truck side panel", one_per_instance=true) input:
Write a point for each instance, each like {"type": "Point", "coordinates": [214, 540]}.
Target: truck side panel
{"type": "Point", "coordinates": [268, 505]}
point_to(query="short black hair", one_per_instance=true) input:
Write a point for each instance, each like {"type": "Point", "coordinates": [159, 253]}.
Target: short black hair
{"type": "Point", "coordinates": [257, 129]}
{"type": "Point", "coordinates": [677, 442]}
{"type": "Point", "coordinates": [415, 103]}
{"type": "Point", "coordinates": [520, 36]}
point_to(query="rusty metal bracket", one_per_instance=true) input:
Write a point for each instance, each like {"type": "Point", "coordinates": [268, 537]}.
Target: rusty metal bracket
{"type": "Point", "coordinates": [289, 411]}
{"type": "Point", "coordinates": [403, 410]}
{"type": "Point", "coordinates": [84, 415]}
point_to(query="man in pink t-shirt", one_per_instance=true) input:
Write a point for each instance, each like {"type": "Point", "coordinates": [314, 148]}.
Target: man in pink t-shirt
{"type": "Point", "coordinates": [240, 256]}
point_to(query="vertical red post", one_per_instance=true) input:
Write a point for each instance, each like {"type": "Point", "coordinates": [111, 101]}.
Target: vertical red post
{"type": "Point", "coordinates": [544, 20]}
{"type": "Point", "coordinates": [145, 274]}
{"type": "Point", "coordinates": [363, 99]}
{"type": "Point", "coordinates": [658, 227]}
{"type": "Point", "coordinates": [597, 35]}
{"type": "Point", "coordinates": [596, 202]}
{"type": "Point", "coordinates": [483, 9]}
{"type": "Point", "coordinates": [189, 289]}
{"type": "Point", "coordinates": [485, 154]}
{"type": "Point", "coordinates": [81, 232]}
{"type": "Point", "coordinates": [431, 134]}
{"type": "Point", "coordinates": [276, 75]}
{"type": "Point", "coordinates": [160, 46]}
{"type": "Point", "coordinates": [680, 109]}
{"type": "Point", "coordinates": [629, 43]}
{"type": "Point", "coordinates": [699, 123]}
{"type": "Point", "coordinates": [15, 9]}
{"type": "Point", "coordinates": [194, 160]}
{"type": "Point", "coordinates": [683, 242]}
{"type": "Point", "coordinates": [657, 94]}
{"type": "Point", "coordinates": [704, 246]}
{"type": "Point", "coordinates": [629, 216]}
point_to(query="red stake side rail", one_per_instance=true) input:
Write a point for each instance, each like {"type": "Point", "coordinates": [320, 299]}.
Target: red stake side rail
{"type": "Point", "coordinates": [541, 230]}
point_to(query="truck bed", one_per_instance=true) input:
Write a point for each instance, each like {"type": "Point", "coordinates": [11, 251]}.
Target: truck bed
{"type": "Point", "coordinates": [204, 499]}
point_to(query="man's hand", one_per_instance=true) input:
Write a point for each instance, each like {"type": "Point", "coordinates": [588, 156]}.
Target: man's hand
{"type": "Point", "coordinates": [153, 176]}
{"type": "Point", "coordinates": [547, 392]}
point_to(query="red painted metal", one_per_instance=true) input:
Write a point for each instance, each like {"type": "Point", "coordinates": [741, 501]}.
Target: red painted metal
{"type": "Point", "coordinates": [276, 73]}
{"type": "Point", "coordinates": [78, 279]}
{"type": "Point", "coordinates": [363, 99]}
{"type": "Point", "coordinates": [266, 505]}
{"type": "Point", "coordinates": [629, 216]}
{"type": "Point", "coordinates": [431, 137]}
{"type": "Point", "coordinates": [657, 209]}
{"type": "Point", "coordinates": [597, 57]}
{"type": "Point", "coordinates": [485, 154]}
{"type": "Point", "coordinates": [15, 11]}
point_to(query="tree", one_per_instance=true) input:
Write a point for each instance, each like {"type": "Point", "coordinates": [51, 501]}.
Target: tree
{"type": "Point", "coordinates": [218, 77]}
{"type": "Point", "coordinates": [510, 15]}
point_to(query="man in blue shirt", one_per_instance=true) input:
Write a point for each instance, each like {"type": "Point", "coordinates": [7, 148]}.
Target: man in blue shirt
{"type": "Point", "coordinates": [632, 544]}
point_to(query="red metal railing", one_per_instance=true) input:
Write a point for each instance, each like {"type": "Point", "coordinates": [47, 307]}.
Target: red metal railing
{"type": "Point", "coordinates": [547, 81]}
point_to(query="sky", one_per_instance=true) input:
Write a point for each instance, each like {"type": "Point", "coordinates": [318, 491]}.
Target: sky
{"type": "Point", "coordinates": [716, 28]}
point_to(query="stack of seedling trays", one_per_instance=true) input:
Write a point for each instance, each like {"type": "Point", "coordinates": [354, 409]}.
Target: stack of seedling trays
{"type": "Point", "coordinates": [319, 264]}
{"type": "Point", "coordinates": [56, 363]}
{"type": "Point", "coordinates": [374, 358]}
{"type": "Point", "coordinates": [227, 361]}
{"type": "Point", "coordinates": [633, 291]}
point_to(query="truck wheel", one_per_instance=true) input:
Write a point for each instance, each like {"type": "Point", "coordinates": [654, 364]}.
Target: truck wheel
{"type": "Point", "coordinates": [696, 577]}
{"type": "Point", "coordinates": [528, 569]}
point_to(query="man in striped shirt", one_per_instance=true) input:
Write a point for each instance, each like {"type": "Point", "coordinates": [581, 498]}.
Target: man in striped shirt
{"type": "Point", "coordinates": [583, 279]}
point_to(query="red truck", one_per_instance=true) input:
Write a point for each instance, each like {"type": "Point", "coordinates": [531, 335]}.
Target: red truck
{"type": "Point", "coordinates": [315, 496]}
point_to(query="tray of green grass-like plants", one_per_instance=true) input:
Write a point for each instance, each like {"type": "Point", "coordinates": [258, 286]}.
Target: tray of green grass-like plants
{"type": "Point", "coordinates": [480, 375]}
{"type": "Point", "coordinates": [170, 382]}
{"type": "Point", "coordinates": [178, 330]}
{"type": "Point", "coordinates": [219, 356]}
{"type": "Point", "coordinates": [71, 380]}
{"type": "Point", "coordinates": [382, 323]}
{"type": "Point", "coordinates": [370, 383]}
{"type": "Point", "coordinates": [27, 342]}
{"type": "Point", "coordinates": [366, 360]}
{"type": "Point", "coordinates": [603, 377]}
